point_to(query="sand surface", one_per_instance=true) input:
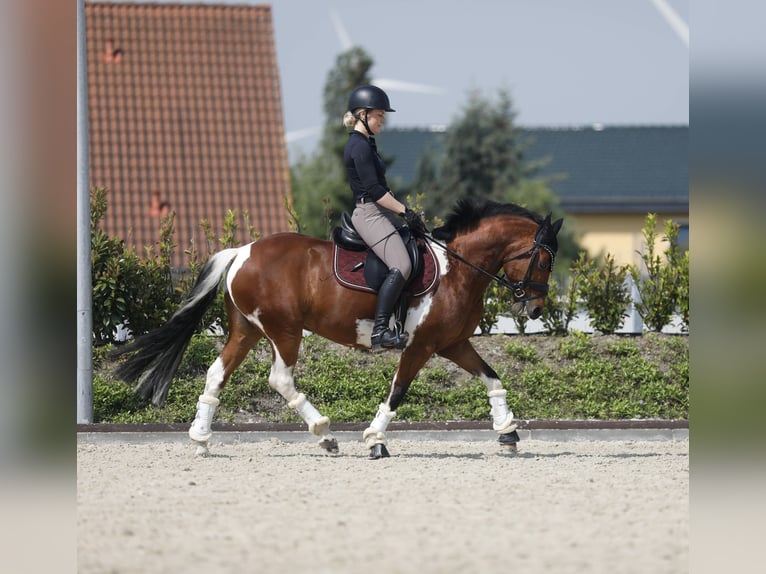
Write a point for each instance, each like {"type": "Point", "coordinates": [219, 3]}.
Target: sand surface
{"type": "Point", "coordinates": [433, 507]}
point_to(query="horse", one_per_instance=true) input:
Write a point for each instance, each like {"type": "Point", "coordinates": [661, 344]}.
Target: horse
{"type": "Point", "coordinates": [282, 285]}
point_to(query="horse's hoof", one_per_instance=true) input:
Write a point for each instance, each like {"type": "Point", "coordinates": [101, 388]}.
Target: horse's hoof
{"type": "Point", "coordinates": [509, 441]}
{"type": "Point", "coordinates": [379, 451]}
{"type": "Point", "coordinates": [330, 445]}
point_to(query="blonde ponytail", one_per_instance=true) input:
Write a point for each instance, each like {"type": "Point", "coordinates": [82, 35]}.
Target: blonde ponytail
{"type": "Point", "coordinates": [349, 120]}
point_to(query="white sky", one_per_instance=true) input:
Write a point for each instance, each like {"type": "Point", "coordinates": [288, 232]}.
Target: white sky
{"type": "Point", "coordinates": [564, 62]}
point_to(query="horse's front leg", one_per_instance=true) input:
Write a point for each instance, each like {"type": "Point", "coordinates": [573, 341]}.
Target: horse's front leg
{"type": "Point", "coordinates": [375, 435]}
{"type": "Point", "coordinates": [465, 356]}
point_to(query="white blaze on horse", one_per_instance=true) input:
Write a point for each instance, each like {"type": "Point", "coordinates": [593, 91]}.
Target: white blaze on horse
{"type": "Point", "coordinates": [283, 284]}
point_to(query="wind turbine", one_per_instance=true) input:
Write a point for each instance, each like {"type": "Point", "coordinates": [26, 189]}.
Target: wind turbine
{"type": "Point", "coordinates": [673, 20]}
{"type": "Point", "coordinates": [387, 84]}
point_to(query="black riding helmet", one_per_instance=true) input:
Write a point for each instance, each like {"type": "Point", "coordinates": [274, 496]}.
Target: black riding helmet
{"type": "Point", "coordinates": [369, 98]}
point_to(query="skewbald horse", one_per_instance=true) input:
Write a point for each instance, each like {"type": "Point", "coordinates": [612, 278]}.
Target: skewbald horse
{"type": "Point", "coordinates": [283, 284]}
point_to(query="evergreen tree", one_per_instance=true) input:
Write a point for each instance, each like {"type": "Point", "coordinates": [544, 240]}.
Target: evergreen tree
{"type": "Point", "coordinates": [483, 154]}
{"type": "Point", "coordinates": [320, 188]}
{"type": "Point", "coordinates": [536, 195]}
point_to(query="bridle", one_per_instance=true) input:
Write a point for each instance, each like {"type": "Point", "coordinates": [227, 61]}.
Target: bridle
{"type": "Point", "coordinates": [520, 287]}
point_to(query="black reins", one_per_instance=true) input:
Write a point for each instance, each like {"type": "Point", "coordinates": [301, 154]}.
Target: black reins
{"type": "Point", "coordinates": [518, 287]}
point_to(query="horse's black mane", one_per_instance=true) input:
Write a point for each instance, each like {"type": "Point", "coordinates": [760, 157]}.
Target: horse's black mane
{"type": "Point", "coordinates": [469, 212]}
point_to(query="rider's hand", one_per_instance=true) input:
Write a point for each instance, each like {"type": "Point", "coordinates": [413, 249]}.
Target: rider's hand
{"type": "Point", "coordinates": [414, 222]}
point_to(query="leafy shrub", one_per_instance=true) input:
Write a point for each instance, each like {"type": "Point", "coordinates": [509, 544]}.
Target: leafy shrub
{"type": "Point", "coordinates": [683, 290]}
{"type": "Point", "coordinates": [576, 345]}
{"type": "Point", "coordinates": [200, 354]}
{"type": "Point", "coordinates": [659, 281]}
{"type": "Point", "coordinates": [604, 290]}
{"type": "Point", "coordinates": [560, 306]}
{"type": "Point", "coordinates": [113, 398]}
{"type": "Point", "coordinates": [522, 351]}
{"type": "Point", "coordinates": [577, 376]}
{"type": "Point", "coordinates": [128, 290]}
{"type": "Point", "coordinates": [623, 348]}
{"type": "Point", "coordinates": [497, 301]}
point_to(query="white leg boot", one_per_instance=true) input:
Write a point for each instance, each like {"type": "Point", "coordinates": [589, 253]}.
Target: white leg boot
{"type": "Point", "coordinates": [502, 417]}
{"type": "Point", "coordinates": [318, 424]}
{"type": "Point", "coordinates": [200, 429]}
{"type": "Point", "coordinates": [376, 432]}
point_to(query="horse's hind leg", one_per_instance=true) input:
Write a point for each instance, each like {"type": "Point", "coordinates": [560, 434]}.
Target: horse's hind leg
{"type": "Point", "coordinates": [281, 379]}
{"type": "Point", "coordinates": [464, 355]}
{"type": "Point", "coordinates": [242, 338]}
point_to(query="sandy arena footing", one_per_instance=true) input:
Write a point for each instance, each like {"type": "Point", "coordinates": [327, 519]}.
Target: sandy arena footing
{"type": "Point", "coordinates": [435, 506]}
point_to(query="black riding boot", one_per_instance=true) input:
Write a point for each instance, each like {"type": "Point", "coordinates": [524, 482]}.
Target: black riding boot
{"type": "Point", "coordinates": [388, 295]}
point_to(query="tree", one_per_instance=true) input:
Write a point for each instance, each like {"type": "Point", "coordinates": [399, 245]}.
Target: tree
{"type": "Point", "coordinates": [320, 189]}
{"type": "Point", "coordinates": [483, 154]}
{"type": "Point", "coordinates": [536, 195]}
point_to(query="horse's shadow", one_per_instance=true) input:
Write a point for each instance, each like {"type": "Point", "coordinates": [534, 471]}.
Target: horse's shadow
{"type": "Point", "coordinates": [476, 456]}
{"type": "Point", "coordinates": [530, 455]}
{"type": "Point", "coordinates": [215, 455]}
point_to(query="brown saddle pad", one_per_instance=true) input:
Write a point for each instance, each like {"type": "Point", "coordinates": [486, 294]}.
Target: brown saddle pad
{"type": "Point", "coordinates": [349, 272]}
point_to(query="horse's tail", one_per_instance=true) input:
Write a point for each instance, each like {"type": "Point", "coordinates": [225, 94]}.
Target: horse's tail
{"type": "Point", "coordinates": [159, 352]}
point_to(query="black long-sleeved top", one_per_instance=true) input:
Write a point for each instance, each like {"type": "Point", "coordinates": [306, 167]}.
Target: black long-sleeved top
{"type": "Point", "coordinates": [365, 168]}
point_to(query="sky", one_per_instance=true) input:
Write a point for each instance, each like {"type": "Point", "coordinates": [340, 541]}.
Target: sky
{"type": "Point", "coordinates": [564, 62]}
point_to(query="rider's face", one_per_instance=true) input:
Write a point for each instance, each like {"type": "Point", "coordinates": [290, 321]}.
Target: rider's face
{"type": "Point", "coordinates": [376, 119]}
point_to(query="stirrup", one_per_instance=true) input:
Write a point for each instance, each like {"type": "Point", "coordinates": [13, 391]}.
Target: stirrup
{"type": "Point", "coordinates": [389, 339]}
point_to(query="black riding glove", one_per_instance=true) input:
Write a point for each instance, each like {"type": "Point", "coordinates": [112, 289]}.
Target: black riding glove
{"type": "Point", "coordinates": [415, 223]}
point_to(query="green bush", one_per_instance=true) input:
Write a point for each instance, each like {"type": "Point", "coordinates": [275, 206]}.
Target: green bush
{"type": "Point", "coordinates": [128, 290]}
{"type": "Point", "coordinates": [604, 291]}
{"type": "Point", "coordinates": [576, 345]}
{"type": "Point", "coordinates": [112, 399]}
{"type": "Point", "coordinates": [683, 290]}
{"type": "Point", "coordinates": [560, 305]}
{"type": "Point", "coordinates": [571, 377]}
{"type": "Point", "coordinates": [522, 351]}
{"type": "Point", "coordinates": [659, 280]}
{"type": "Point", "coordinates": [497, 301]}
{"type": "Point", "coordinates": [142, 292]}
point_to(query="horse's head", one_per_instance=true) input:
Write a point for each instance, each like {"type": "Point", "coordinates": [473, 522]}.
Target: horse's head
{"type": "Point", "coordinates": [526, 261]}
{"type": "Point", "coordinates": [528, 272]}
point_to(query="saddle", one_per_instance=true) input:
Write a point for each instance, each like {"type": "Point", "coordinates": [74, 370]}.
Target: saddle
{"type": "Point", "coordinates": [356, 266]}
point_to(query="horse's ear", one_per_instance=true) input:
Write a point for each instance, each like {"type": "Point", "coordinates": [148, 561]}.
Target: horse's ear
{"type": "Point", "coordinates": [547, 219]}
{"type": "Point", "coordinates": [557, 225]}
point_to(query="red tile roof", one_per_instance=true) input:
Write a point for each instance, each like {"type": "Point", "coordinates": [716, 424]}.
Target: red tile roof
{"type": "Point", "coordinates": [185, 115]}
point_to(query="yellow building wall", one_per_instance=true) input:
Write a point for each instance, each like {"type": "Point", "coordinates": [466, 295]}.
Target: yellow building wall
{"type": "Point", "coordinates": [619, 235]}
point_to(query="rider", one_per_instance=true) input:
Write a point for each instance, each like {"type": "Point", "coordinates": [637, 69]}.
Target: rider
{"type": "Point", "coordinates": [376, 207]}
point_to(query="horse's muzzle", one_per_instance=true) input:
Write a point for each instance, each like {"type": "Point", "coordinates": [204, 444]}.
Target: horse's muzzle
{"type": "Point", "coordinates": [528, 308]}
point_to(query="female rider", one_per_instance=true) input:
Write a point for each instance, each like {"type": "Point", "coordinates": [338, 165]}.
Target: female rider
{"type": "Point", "coordinates": [374, 216]}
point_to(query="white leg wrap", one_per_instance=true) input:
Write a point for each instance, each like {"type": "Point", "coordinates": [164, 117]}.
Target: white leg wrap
{"type": "Point", "coordinates": [502, 417]}
{"type": "Point", "coordinates": [376, 432]}
{"type": "Point", "coordinates": [318, 424]}
{"type": "Point", "coordinates": [200, 428]}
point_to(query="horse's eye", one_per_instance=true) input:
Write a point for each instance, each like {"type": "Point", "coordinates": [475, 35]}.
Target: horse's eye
{"type": "Point", "coordinates": [544, 265]}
